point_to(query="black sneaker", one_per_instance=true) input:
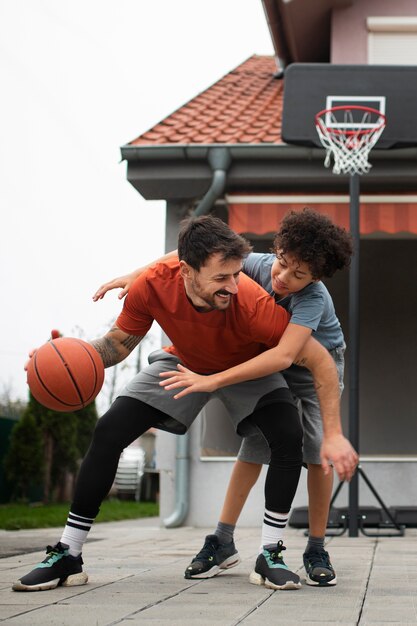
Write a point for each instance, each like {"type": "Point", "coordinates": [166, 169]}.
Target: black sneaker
{"type": "Point", "coordinates": [212, 558]}
{"type": "Point", "coordinates": [319, 570]}
{"type": "Point", "coordinates": [271, 571]}
{"type": "Point", "coordinates": [59, 568]}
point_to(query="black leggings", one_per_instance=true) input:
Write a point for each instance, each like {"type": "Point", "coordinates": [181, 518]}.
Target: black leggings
{"type": "Point", "coordinates": [128, 418]}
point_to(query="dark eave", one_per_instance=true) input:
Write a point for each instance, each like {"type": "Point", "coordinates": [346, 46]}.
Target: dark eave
{"type": "Point", "coordinates": [182, 172]}
{"type": "Point", "coordinates": [300, 29]}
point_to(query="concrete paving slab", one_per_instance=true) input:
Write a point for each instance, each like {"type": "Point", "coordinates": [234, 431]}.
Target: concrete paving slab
{"type": "Point", "coordinates": [136, 577]}
{"type": "Point", "coordinates": [64, 615]}
{"type": "Point", "coordinates": [383, 616]}
{"type": "Point", "coordinates": [391, 623]}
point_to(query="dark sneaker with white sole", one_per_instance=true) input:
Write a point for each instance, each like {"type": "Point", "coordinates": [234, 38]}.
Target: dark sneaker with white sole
{"type": "Point", "coordinates": [59, 568]}
{"type": "Point", "coordinates": [212, 558]}
{"type": "Point", "coordinates": [320, 572]}
{"type": "Point", "coordinates": [271, 571]}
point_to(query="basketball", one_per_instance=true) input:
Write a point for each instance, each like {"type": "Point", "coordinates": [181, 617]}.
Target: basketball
{"type": "Point", "coordinates": [65, 374]}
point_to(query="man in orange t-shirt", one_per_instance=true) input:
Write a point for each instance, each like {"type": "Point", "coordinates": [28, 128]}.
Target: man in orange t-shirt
{"type": "Point", "coordinates": [246, 327]}
{"type": "Point", "coordinates": [207, 337]}
{"type": "Point", "coordinates": [216, 319]}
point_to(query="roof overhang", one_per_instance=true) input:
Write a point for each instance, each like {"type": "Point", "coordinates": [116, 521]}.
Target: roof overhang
{"type": "Point", "coordinates": [182, 172]}
{"type": "Point", "coordinates": [300, 30]}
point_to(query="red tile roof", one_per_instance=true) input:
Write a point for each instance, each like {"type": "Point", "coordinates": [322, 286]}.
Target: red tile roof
{"type": "Point", "coordinates": [245, 106]}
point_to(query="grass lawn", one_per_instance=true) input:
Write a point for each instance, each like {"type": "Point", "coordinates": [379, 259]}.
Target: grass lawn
{"type": "Point", "coordinates": [23, 516]}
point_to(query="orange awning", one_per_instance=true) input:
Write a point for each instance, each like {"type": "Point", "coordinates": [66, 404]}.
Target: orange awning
{"type": "Point", "coordinates": [262, 214]}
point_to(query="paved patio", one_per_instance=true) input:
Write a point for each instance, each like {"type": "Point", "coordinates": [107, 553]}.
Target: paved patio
{"type": "Point", "coordinates": [136, 577]}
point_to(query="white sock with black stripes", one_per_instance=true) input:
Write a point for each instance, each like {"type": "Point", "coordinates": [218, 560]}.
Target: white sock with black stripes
{"type": "Point", "coordinates": [273, 528]}
{"type": "Point", "coordinates": [75, 532]}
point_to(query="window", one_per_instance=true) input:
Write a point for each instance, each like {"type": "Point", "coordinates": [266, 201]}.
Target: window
{"type": "Point", "coordinates": [392, 40]}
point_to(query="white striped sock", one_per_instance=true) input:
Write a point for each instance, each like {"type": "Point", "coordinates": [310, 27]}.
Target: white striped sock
{"type": "Point", "coordinates": [273, 528]}
{"type": "Point", "coordinates": [75, 532]}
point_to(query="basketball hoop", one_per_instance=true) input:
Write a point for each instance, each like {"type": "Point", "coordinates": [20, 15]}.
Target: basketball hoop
{"type": "Point", "coordinates": [348, 134]}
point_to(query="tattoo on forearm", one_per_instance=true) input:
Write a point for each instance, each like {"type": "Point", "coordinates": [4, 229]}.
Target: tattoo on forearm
{"type": "Point", "coordinates": [107, 351]}
{"type": "Point", "coordinates": [131, 342]}
{"type": "Point", "coordinates": [112, 350]}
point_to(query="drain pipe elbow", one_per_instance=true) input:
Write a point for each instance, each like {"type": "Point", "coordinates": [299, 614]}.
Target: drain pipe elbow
{"type": "Point", "coordinates": [219, 159]}
{"type": "Point", "coordinates": [178, 516]}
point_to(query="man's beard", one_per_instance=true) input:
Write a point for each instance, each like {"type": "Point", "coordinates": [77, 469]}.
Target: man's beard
{"type": "Point", "coordinates": [210, 299]}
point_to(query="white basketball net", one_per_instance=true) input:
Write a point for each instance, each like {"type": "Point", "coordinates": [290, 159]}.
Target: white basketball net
{"type": "Point", "coordinates": [349, 147]}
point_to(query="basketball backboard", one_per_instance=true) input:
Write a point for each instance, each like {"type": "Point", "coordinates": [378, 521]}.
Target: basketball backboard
{"type": "Point", "coordinates": [312, 87]}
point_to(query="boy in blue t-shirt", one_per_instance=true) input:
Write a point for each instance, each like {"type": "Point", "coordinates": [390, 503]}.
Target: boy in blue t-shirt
{"type": "Point", "coordinates": [307, 248]}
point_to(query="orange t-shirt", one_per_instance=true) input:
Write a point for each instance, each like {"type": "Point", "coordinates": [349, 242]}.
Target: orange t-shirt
{"type": "Point", "coordinates": [205, 342]}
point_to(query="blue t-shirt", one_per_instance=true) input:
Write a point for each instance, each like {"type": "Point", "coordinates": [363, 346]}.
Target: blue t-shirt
{"type": "Point", "coordinates": [311, 307]}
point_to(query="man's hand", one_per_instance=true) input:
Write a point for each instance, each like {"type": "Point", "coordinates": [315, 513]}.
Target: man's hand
{"type": "Point", "coordinates": [338, 450]}
{"type": "Point", "coordinates": [188, 379]}
{"type": "Point", "coordinates": [55, 334]}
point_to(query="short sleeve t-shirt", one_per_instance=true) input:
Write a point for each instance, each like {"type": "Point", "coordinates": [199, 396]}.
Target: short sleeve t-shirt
{"type": "Point", "coordinates": [311, 307]}
{"type": "Point", "coordinates": [206, 342]}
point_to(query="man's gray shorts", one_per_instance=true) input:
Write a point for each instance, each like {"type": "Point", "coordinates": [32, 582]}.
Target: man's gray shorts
{"type": "Point", "coordinates": [254, 448]}
{"type": "Point", "coordinates": [240, 400]}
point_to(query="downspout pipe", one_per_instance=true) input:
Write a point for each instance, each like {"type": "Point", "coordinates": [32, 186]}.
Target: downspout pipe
{"type": "Point", "coordinates": [219, 159]}
{"type": "Point", "coordinates": [182, 462]}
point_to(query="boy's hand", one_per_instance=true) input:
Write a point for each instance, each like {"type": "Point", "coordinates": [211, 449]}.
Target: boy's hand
{"type": "Point", "coordinates": [338, 450]}
{"type": "Point", "coordinates": [124, 282]}
{"type": "Point", "coordinates": [188, 380]}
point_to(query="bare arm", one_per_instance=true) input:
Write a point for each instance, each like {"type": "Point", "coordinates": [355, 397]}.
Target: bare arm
{"type": "Point", "coordinates": [335, 448]}
{"type": "Point", "coordinates": [326, 382]}
{"type": "Point", "coordinates": [275, 359]}
{"type": "Point", "coordinates": [125, 282]}
{"type": "Point", "coordinates": [115, 346]}
{"type": "Point", "coordinates": [290, 348]}
{"type": "Point", "coordinates": [312, 356]}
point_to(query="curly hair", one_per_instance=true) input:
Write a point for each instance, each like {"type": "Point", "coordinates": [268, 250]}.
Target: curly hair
{"type": "Point", "coordinates": [314, 239]}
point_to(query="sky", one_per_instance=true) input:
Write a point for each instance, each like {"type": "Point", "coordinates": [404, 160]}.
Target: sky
{"type": "Point", "coordinates": [81, 78]}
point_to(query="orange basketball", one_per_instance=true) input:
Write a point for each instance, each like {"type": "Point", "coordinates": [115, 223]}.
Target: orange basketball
{"type": "Point", "coordinates": [65, 374]}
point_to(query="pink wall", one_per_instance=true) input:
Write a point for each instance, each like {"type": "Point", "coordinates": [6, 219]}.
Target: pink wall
{"type": "Point", "coordinates": [349, 39]}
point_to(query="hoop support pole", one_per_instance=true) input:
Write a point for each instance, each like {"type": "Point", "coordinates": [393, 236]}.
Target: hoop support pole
{"type": "Point", "coordinates": [354, 188]}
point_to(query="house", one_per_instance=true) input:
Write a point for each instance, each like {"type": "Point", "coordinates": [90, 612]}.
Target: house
{"type": "Point", "coordinates": [223, 152]}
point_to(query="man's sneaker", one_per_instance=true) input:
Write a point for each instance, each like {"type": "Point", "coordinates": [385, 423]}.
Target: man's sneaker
{"type": "Point", "coordinates": [319, 570]}
{"type": "Point", "coordinates": [212, 558]}
{"type": "Point", "coordinates": [271, 571]}
{"type": "Point", "coordinates": [59, 568]}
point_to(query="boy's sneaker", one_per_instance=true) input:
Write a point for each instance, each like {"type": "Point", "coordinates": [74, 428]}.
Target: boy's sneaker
{"type": "Point", "coordinates": [212, 558]}
{"type": "Point", "coordinates": [271, 571]}
{"type": "Point", "coordinates": [319, 570]}
{"type": "Point", "coordinates": [59, 568]}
